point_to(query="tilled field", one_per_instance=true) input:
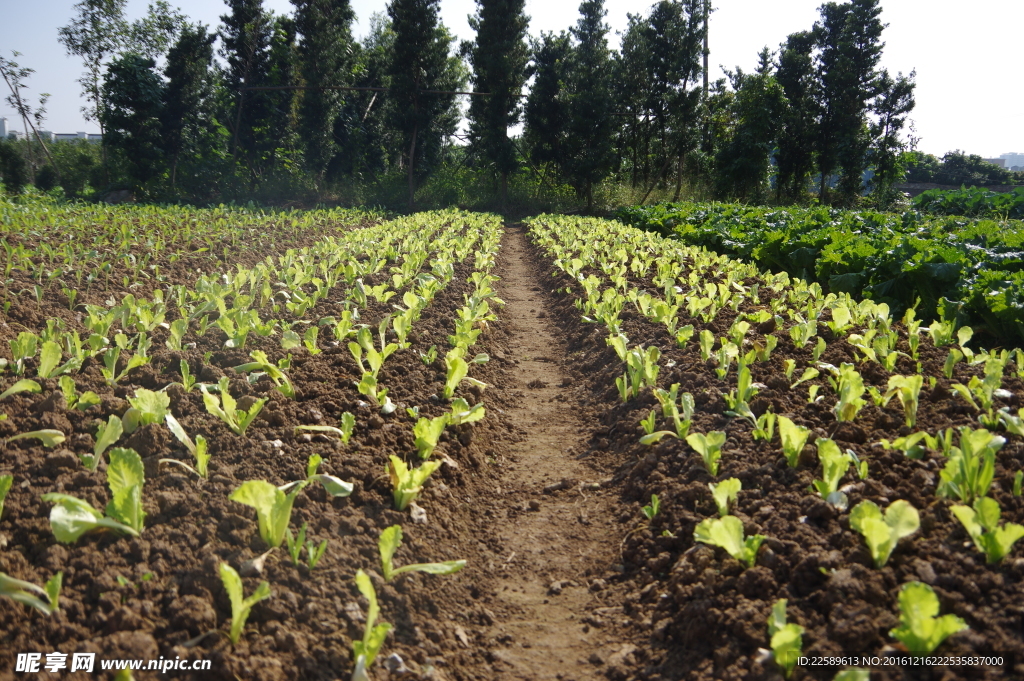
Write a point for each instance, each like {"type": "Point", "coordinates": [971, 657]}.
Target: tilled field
{"type": "Point", "coordinates": [573, 572]}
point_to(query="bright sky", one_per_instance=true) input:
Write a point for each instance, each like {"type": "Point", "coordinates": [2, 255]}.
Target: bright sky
{"type": "Point", "coordinates": [968, 94]}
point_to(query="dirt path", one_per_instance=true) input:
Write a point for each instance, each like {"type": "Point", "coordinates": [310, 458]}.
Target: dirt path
{"type": "Point", "coordinates": [563, 542]}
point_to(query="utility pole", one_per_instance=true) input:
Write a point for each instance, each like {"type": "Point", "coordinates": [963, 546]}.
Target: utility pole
{"type": "Point", "coordinates": [706, 136]}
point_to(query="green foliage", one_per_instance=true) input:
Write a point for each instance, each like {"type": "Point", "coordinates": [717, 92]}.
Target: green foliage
{"type": "Point", "coordinates": [240, 606]}
{"type": "Point", "coordinates": [651, 509]}
{"type": "Point", "coordinates": [921, 630]}
{"type": "Point", "coordinates": [5, 487]}
{"type": "Point", "coordinates": [273, 508]}
{"type": "Point", "coordinates": [972, 202]}
{"type": "Point", "coordinates": [793, 439]}
{"type": "Point", "coordinates": [727, 533]}
{"type": "Point", "coordinates": [970, 468]}
{"type": "Point", "coordinates": [709, 447]}
{"type": "Point", "coordinates": [390, 540]}
{"type": "Point", "coordinates": [365, 651]}
{"type": "Point", "coordinates": [237, 420]}
{"type": "Point", "coordinates": [786, 639]}
{"type": "Point", "coordinates": [725, 494]}
{"type": "Point", "coordinates": [33, 596]}
{"type": "Point", "coordinates": [883, 532]}
{"type": "Point", "coordinates": [407, 483]}
{"type": "Point", "coordinates": [834, 464]}
{"type": "Point", "coordinates": [982, 524]}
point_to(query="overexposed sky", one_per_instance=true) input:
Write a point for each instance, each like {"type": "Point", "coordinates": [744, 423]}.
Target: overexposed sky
{"type": "Point", "coordinates": [968, 95]}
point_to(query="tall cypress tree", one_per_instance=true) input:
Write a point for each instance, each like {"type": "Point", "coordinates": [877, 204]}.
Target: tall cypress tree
{"type": "Point", "coordinates": [498, 57]}
{"type": "Point", "coordinates": [795, 155]}
{"type": "Point", "coordinates": [419, 63]}
{"type": "Point", "coordinates": [246, 34]}
{"type": "Point", "coordinates": [325, 50]}
{"type": "Point", "coordinates": [849, 39]}
{"type": "Point", "coordinates": [590, 126]}
{"type": "Point", "coordinates": [187, 108]}
{"type": "Point", "coordinates": [546, 113]}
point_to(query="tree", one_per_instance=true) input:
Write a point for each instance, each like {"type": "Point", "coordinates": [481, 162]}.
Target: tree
{"type": "Point", "coordinates": [546, 112]}
{"type": "Point", "coordinates": [795, 156]}
{"type": "Point", "coordinates": [325, 59]}
{"type": "Point", "coordinates": [13, 168]}
{"type": "Point", "coordinates": [498, 57]}
{"type": "Point", "coordinates": [893, 105]}
{"type": "Point", "coordinates": [246, 36]}
{"type": "Point", "coordinates": [32, 116]}
{"type": "Point", "coordinates": [418, 69]}
{"type": "Point", "coordinates": [849, 39]}
{"type": "Point", "coordinates": [743, 163]}
{"type": "Point", "coordinates": [588, 84]}
{"type": "Point", "coordinates": [189, 126]}
{"type": "Point", "coordinates": [133, 96]}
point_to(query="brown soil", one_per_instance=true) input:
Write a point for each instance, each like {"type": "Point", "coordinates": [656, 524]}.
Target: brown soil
{"type": "Point", "coordinates": [538, 599]}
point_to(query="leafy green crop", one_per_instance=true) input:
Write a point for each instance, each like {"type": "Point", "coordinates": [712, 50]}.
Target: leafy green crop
{"type": "Point", "coordinates": [427, 431]}
{"type": "Point", "coordinates": [71, 517]}
{"type": "Point", "coordinates": [147, 407]}
{"type": "Point", "coordinates": [921, 630]}
{"type": "Point", "coordinates": [237, 420]}
{"type": "Point", "coordinates": [106, 436]}
{"type": "Point", "coordinates": [406, 483]}
{"type": "Point", "coordinates": [793, 439]}
{"type": "Point", "coordinates": [725, 494]}
{"type": "Point", "coordinates": [883, 532]}
{"type": "Point", "coordinates": [651, 509]}
{"type": "Point", "coordinates": [24, 385]}
{"type": "Point", "coordinates": [709, 447]}
{"type": "Point", "coordinates": [366, 650]}
{"type": "Point", "coordinates": [786, 639]}
{"type": "Point", "coordinates": [390, 540]}
{"type": "Point", "coordinates": [31, 595]}
{"type": "Point", "coordinates": [198, 449]}
{"type": "Point", "coordinates": [261, 363]}
{"type": "Point", "coordinates": [982, 524]}
{"type": "Point", "coordinates": [5, 487]}
{"type": "Point", "coordinates": [834, 464]}
{"type": "Point", "coordinates": [240, 606]}
{"type": "Point", "coordinates": [314, 551]}
{"type": "Point", "coordinates": [970, 468]}
{"type": "Point", "coordinates": [727, 533]}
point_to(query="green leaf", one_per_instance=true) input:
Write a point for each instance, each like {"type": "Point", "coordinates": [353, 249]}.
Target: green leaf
{"type": "Point", "coordinates": [240, 607]}
{"type": "Point", "coordinates": [49, 358]}
{"type": "Point", "coordinates": [24, 385]}
{"type": "Point", "coordinates": [5, 487]}
{"type": "Point", "coordinates": [390, 540]}
{"type": "Point", "coordinates": [50, 438]}
{"type": "Point", "coordinates": [153, 406]}
{"type": "Point", "coordinates": [108, 434]}
{"type": "Point", "coordinates": [126, 477]}
{"type": "Point", "coordinates": [725, 494]}
{"type": "Point", "coordinates": [921, 630]}
{"type": "Point", "coordinates": [273, 508]}
{"type": "Point", "coordinates": [656, 437]}
{"type": "Point", "coordinates": [70, 518]}
{"type": "Point", "coordinates": [727, 533]}
{"type": "Point", "coordinates": [793, 439]}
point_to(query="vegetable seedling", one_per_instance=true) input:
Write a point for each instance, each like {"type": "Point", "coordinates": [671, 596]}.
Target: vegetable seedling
{"type": "Point", "coordinates": [24, 385]}
{"type": "Point", "coordinates": [240, 606]}
{"type": "Point", "coordinates": [71, 517]}
{"type": "Point", "coordinates": [725, 494]}
{"type": "Point", "coordinates": [261, 363]}
{"type": "Point", "coordinates": [427, 431]}
{"type": "Point", "coordinates": [314, 552]}
{"type": "Point", "coordinates": [406, 483]}
{"type": "Point", "coordinates": [921, 630]}
{"type": "Point", "coordinates": [274, 504]}
{"type": "Point", "coordinates": [33, 596]}
{"type": "Point", "coordinates": [727, 533]}
{"type": "Point", "coordinates": [198, 448]}
{"type": "Point", "coordinates": [237, 420]}
{"type": "Point", "coordinates": [147, 407]}
{"type": "Point", "coordinates": [793, 438]}
{"type": "Point", "coordinates": [834, 464]}
{"type": "Point", "coordinates": [366, 650]}
{"type": "Point", "coordinates": [982, 524]}
{"type": "Point", "coordinates": [348, 424]}
{"type": "Point", "coordinates": [5, 487]}
{"type": "Point", "coordinates": [786, 640]}
{"type": "Point", "coordinates": [970, 468]}
{"type": "Point", "coordinates": [883, 532]}
{"type": "Point", "coordinates": [106, 436]}
{"type": "Point", "coordinates": [49, 437]}
{"type": "Point", "coordinates": [709, 447]}
{"type": "Point", "coordinates": [651, 509]}
{"type": "Point", "coordinates": [390, 540]}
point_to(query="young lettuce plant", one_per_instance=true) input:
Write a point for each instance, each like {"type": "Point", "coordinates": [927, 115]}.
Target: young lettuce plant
{"type": "Point", "coordinates": [390, 540]}
{"type": "Point", "coordinates": [71, 517]}
{"type": "Point", "coordinates": [834, 464]}
{"type": "Point", "coordinates": [366, 650]}
{"type": "Point", "coordinates": [147, 407]}
{"type": "Point", "coordinates": [106, 436]}
{"type": "Point", "coordinates": [314, 552]}
{"type": "Point", "coordinates": [793, 438]}
{"type": "Point", "coordinates": [5, 487]}
{"type": "Point", "coordinates": [261, 363]}
{"type": "Point", "coordinates": [850, 387]}
{"type": "Point", "coordinates": [786, 640]}
{"type": "Point", "coordinates": [970, 468]}
{"type": "Point", "coordinates": [406, 483]}
{"type": "Point", "coordinates": [237, 420]}
{"type": "Point", "coordinates": [33, 596]}
{"type": "Point", "coordinates": [427, 432]}
{"type": "Point", "coordinates": [709, 447]}
{"type": "Point", "coordinates": [240, 606]}
{"type": "Point", "coordinates": [651, 509]}
{"type": "Point", "coordinates": [908, 389]}
{"type": "Point", "coordinates": [274, 504]}
{"type": "Point", "coordinates": [24, 385]}
{"type": "Point", "coordinates": [198, 449]}
{"type": "Point", "coordinates": [883, 532]}
{"type": "Point", "coordinates": [725, 494]}
{"type": "Point", "coordinates": [982, 524]}
{"type": "Point", "coordinates": [921, 630]}
{"type": "Point", "coordinates": [727, 533]}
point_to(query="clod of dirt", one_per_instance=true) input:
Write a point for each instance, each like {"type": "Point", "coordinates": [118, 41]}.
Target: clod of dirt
{"type": "Point", "coordinates": [534, 505]}
{"type": "Point", "coordinates": [55, 402]}
{"type": "Point", "coordinates": [536, 383]}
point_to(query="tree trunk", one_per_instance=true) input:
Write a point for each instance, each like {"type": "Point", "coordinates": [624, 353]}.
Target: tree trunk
{"type": "Point", "coordinates": [504, 191]}
{"type": "Point", "coordinates": [412, 168]}
{"type": "Point", "coordinates": [679, 177]}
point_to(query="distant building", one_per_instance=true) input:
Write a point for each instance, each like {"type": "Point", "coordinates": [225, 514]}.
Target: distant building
{"type": "Point", "coordinates": [1014, 160]}
{"type": "Point", "coordinates": [1001, 162]}
{"type": "Point", "coordinates": [46, 135]}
